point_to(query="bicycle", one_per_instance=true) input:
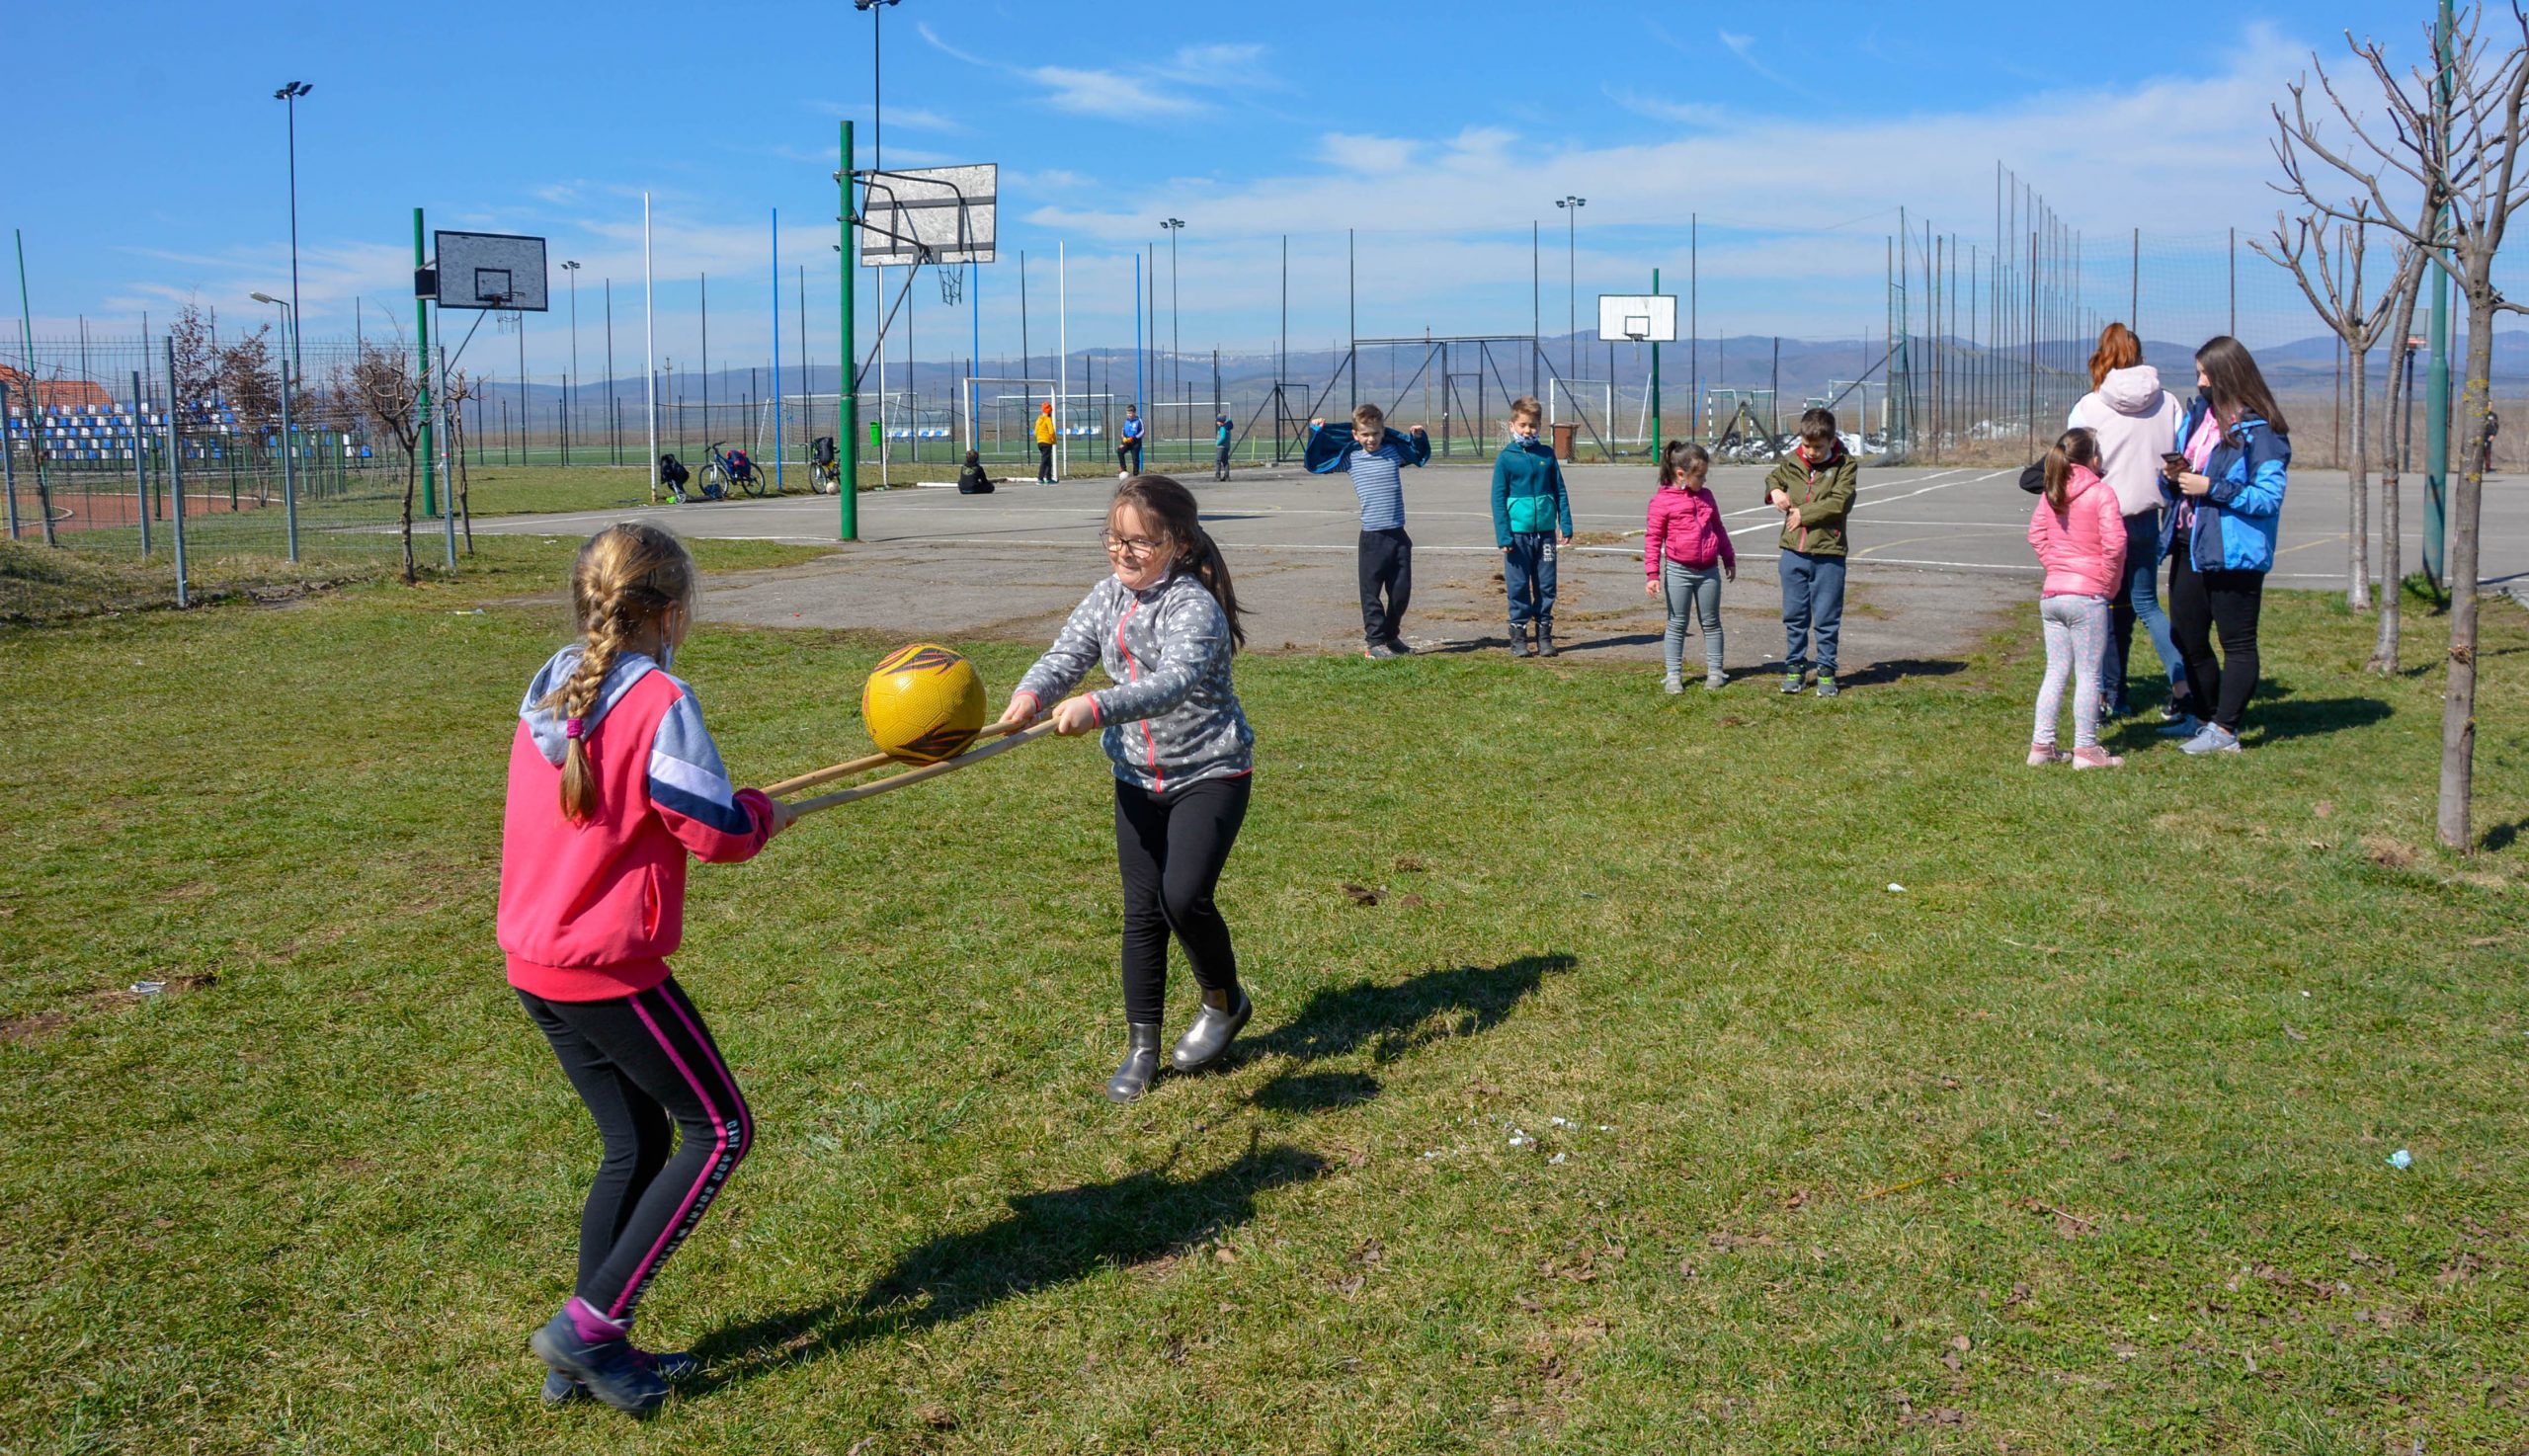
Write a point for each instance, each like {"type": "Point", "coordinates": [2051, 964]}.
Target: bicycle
{"type": "Point", "coordinates": [825, 466]}
{"type": "Point", "coordinates": [731, 469]}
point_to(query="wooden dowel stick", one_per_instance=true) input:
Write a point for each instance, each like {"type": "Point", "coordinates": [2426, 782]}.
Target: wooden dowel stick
{"type": "Point", "coordinates": [850, 766]}
{"type": "Point", "coordinates": [928, 770]}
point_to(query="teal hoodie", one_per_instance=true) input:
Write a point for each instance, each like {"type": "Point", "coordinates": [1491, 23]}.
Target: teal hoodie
{"type": "Point", "coordinates": [1527, 492]}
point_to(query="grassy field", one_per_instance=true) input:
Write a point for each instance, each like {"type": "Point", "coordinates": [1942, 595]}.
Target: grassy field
{"type": "Point", "coordinates": [1641, 1112]}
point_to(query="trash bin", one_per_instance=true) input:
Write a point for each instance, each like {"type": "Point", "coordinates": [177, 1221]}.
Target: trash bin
{"type": "Point", "coordinates": [1563, 435]}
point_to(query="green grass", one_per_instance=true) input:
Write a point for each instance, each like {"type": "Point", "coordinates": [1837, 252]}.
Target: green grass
{"type": "Point", "coordinates": [2077, 1143]}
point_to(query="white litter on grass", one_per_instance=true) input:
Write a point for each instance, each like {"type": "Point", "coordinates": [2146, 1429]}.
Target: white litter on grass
{"type": "Point", "coordinates": [1563, 1122]}
{"type": "Point", "coordinates": [1895, 888]}
{"type": "Point", "coordinates": [2401, 1159]}
{"type": "Point", "coordinates": [1603, 1127]}
{"type": "Point", "coordinates": [1520, 1139]}
{"type": "Point", "coordinates": [147, 988]}
{"type": "Point", "coordinates": [1557, 1157]}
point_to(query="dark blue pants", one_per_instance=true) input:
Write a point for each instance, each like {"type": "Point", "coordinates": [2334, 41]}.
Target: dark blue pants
{"type": "Point", "coordinates": [1527, 568]}
{"type": "Point", "coordinates": [1813, 607]}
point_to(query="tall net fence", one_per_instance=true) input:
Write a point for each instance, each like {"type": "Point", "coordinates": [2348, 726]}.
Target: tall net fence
{"type": "Point", "coordinates": [131, 447]}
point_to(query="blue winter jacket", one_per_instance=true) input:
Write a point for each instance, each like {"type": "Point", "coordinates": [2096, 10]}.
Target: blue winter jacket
{"type": "Point", "coordinates": [2235, 522]}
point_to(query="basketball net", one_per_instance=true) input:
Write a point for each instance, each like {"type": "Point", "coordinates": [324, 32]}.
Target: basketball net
{"type": "Point", "coordinates": [953, 281]}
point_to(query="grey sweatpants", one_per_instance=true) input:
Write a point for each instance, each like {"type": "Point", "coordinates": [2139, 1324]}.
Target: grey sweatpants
{"type": "Point", "coordinates": [1695, 590]}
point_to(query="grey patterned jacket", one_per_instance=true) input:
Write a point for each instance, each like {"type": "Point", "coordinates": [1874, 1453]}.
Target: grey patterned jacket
{"type": "Point", "coordinates": [1172, 718]}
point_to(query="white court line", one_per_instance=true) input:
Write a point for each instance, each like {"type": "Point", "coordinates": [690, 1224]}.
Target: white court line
{"type": "Point", "coordinates": [1861, 505]}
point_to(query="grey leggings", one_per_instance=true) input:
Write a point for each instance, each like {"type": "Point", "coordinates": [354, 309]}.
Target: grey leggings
{"type": "Point", "coordinates": [1695, 588]}
{"type": "Point", "coordinates": [2075, 629]}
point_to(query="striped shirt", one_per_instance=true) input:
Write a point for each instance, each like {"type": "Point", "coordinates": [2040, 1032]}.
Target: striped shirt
{"type": "Point", "coordinates": [1378, 479]}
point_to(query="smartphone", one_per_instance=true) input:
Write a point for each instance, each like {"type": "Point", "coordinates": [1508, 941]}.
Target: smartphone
{"type": "Point", "coordinates": [2175, 464]}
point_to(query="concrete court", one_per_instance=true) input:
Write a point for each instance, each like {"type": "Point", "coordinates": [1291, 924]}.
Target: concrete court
{"type": "Point", "coordinates": [1940, 558]}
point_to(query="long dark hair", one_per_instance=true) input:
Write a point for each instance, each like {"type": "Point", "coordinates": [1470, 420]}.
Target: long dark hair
{"type": "Point", "coordinates": [1679, 458]}
{"type": "Point", "coordinates": [2075, 446]}
{"type": "Point", "coordinates": [1169, 507]}
{"type": "Point", "coordinates": [2238, 388]}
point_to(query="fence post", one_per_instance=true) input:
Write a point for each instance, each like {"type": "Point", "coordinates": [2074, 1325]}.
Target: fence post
{"type": "Point", "coordinates": [288, 466]}
{"type": "Point", "coordinates": [176, 476]}
{"type": "Point", "coordinates": [9, 456]}
{"type": "Point", "coordinates": [140, 458]}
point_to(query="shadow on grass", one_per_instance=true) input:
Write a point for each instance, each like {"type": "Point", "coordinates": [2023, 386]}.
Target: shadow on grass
{"type": "Point", "coordinates": [2309, 717]}
{"type": "Point", "coordinates": [1898, 669]}
{"type": "Point", "coordinates": [1053, 1238]}
{"type": "Point", "coordinates": [1391, 1022]}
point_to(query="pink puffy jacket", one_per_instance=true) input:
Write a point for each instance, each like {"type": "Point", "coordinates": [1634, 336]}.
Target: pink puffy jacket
{"type": "Point", "coordinates": [1684, 525]}
{"type": "Point", "coordinates": [2082, 549]}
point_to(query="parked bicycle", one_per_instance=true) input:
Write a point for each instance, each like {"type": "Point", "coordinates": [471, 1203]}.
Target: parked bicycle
{"type": "Point", "coordinates": [731, 471]}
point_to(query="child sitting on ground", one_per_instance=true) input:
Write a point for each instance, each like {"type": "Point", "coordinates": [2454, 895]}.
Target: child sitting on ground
{"type": "Point", "coordinates": [971, 478]}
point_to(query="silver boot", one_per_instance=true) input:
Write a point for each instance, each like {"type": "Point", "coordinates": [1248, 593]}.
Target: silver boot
{"type": "Point", "coordinates": [1210, 1036]}
{"type": "Point", "coordinates": [1140, 1065]}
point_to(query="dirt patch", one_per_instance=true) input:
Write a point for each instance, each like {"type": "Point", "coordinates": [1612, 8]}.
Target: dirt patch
{"type": "Point", "coordinates": [31, 1026]}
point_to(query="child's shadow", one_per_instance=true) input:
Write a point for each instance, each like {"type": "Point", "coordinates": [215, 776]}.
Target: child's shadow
{"type": "Point", "coordinates": [1046, 1238]}
{"type": "Point", "coordinates": [1391, 1021]}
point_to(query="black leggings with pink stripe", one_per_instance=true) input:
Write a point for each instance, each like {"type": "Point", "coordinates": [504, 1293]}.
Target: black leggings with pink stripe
{"type": "Point", "coordinates": [640, 1061]}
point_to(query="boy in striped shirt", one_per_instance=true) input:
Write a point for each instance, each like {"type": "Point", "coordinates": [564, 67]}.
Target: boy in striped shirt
{"type": "Point", "coordinates": [1377, 457]}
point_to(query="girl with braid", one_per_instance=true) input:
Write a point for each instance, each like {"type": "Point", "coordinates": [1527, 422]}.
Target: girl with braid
{"type": "Point", "coordinates": [1164, 625]}
{"type": "Point", "coordinates": [612, 781]}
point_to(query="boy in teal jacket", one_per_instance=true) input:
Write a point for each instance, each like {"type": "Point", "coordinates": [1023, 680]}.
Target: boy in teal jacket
{"type": "Point", "coordinates": [1530, 508]}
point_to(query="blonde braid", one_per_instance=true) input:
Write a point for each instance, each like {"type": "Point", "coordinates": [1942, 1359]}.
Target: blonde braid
{"type": "Point", "coordinates": [625, 578]}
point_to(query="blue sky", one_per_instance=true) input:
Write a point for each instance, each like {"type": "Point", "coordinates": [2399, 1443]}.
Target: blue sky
{"type": "Point", "coordinates": [1438, 131]}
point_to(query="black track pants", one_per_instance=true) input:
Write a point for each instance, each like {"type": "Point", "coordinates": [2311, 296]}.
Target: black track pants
{"type": "Point", "coordinates": [1171, 849]}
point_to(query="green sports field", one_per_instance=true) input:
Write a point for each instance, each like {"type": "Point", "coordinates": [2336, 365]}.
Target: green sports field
{"type": "Point", "coordinates": [1638, 1109]}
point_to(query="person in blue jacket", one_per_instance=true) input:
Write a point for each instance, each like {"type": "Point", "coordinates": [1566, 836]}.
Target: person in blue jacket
{"type": "Point", "coordinates": [2228, 505]}
{"type": "Point", "coordinates": [1129, 444]}
{"type": "Point", "coordinates": [1530, 508]}
{"type": "Point", "coordinates": [1375, 457]}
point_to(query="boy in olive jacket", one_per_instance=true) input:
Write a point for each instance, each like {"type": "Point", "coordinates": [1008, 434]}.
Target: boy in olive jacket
{"type": "Point", "coordinates": [1530, 508]}
{"type": "Point", "coordinates": [1813, 489]}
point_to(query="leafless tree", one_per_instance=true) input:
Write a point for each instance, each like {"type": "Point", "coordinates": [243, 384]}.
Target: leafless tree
{"type": "Point", "coordinates": [248, 378]}
{"type": "Point", "coordinates": [2452, 135]}
{"type": "Point", "coordinates": [2334, 286]}
{"type": "Point", "coordinates": [385, 386]}
{"type": "Point", "coordinates": [2384, 653]}
{"type": "Point", "coordinates": [456, 387]}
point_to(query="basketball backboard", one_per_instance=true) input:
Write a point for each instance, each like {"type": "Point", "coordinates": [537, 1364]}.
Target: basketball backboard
{"type": "Point", "coordinates": [490, 270]}
{"type": "Point", "coordinates": [1641, 317]}
{"type": "Point", "coordinates": [929, 214]}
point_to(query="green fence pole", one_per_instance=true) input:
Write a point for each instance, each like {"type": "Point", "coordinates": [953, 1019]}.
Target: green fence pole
{"type": "Point", "coordinates": [176, 476]}
{"type": "Point", "coordinates": [9, 457]}
{"type": "Point", "coordinates": [848, 408]}
{"type": "Point", "coordinates": [422, 375]}
{"type": "Point", "coordinates": [139, 457]}
{"type": "Point", "coordinates": [2437, 379]}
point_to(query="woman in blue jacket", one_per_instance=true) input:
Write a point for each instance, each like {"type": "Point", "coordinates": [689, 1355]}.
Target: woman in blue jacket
{"type": "Point", "coordinates": [2229, 504]}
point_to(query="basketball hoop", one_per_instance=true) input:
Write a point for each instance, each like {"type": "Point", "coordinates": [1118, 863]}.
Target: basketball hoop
{"type": "Point", "coordinates": [953, 281]}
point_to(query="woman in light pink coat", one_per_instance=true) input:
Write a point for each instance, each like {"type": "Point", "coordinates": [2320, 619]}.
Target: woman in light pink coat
{"type": "Point", "coordinates": [2079, 537]}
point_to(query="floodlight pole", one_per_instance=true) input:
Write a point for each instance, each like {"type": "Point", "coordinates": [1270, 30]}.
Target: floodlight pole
{"type": "Point", "coordinates": [288, 466]}
{"type": "Point", "coordinates": [422, 403]}
{"type": "Point", "coordinates": [289, 96]}
{"type": "Point", "coordinates": [848, 407]}
{"type": "Point", "coordinates": [1570, 275]}
{"type": "Point", "coordinates": [571, 391]}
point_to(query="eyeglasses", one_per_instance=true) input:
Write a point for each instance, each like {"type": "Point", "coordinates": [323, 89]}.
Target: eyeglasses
{"type": "Point", "coordinates": [1128, 545]}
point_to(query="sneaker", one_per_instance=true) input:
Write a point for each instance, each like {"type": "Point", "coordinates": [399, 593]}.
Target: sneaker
{"type": "Point", "coordinates": [1792, 681]}
{"type": "Point", "coordinates": [2170, 712]}
{"type": "Point", "coordinates": [607, 1368]}
{"type": "Point", "coordinates": [2215, 739]}
{"type": "Point", "coordinates": [2185, 725]}
{"type": "Point", "coordinates": [1397, 645]}
{"type": "Point", "coordinates": [1826, 684]}
{"type": "Point", "coordinates": [1672, 685]}
{"type": "Point", "coordinates": [2096, 756]}
{"type": "Point", "coordinates": [1378, 650]}
{"type": "Point", "coordinates": [669, 1366]}
{"type": "Point", "coordinates": [1715, 681]}
{"type": "Point", "coordinates": [2042, 753]}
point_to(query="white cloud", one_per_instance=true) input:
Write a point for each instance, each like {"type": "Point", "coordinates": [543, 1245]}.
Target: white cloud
{"type": "Point", "coordinates": [1109, 94]}
{"type": "Point", "coordinates": [1353, 153]}
{"type": "Point", "coordinates": [1684, 113]}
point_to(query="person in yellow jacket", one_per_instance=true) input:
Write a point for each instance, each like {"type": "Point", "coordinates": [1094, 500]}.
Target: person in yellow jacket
{"type": "Point", "coordinates": [1046, 444]}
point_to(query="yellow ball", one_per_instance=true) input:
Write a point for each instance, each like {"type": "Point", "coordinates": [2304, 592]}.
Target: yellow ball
{"type": "Point", "coordinates": [923, 704]}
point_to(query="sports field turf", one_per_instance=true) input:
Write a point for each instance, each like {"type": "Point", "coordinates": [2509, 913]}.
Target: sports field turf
{"type": "Point", "coordinates": [1641, 1112]}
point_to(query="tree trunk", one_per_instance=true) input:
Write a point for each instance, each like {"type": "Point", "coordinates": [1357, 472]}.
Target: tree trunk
{"type": "Point", "coordinates": [2357, 493]}
{"type": "Point", "coordinates": [411, 475]}
{"type": "Point", "coordinates": [2392, 577]}
{"type": "Point", "coordinates": [2459, 702]}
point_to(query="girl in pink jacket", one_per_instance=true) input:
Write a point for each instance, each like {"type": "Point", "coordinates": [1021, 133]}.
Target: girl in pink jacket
{"type": "Point", "coordinates": [2080, 536]}
{"type": "Point", "coordinates": [612, 781]}
{"type": "Point", "coordinates": [1686, 553]}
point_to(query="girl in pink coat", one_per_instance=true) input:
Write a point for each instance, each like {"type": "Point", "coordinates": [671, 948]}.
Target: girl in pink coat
{"type": "Point", "coordinates": [1686, 553]}
{"type": "Point", "coordinates": [2079, 537]}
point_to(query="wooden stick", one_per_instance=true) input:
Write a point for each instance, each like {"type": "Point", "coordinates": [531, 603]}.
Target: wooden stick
{"type": "Point", "coordinates": [927, 771]}
{"type": "Point", "coordinates": [850, 766]}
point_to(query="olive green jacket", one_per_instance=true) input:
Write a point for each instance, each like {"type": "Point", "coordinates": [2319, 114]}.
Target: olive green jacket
{"type": "Point", "coordinates": [1825, 496]}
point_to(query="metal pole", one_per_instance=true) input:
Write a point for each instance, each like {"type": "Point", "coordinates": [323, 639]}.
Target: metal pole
{"type": "Point", "coordinates": [290, 105]}
{"type": "Point", "coordinates": [707, 361]}
{"type": "Point", "coordinates": [2436, 378]}
{"type": "Point", "coordinates": [776, 351]}
{"type": "Point", "coordinates": [176, 472]}
{"type": "Point", "coordinates": [571, 387]}
{"type": "Point", "coordinates": [649, 349]}
{"type": "Point", "coordinates": [848, 404]}
{"type": "Point", "coordinates": [422, 405]}
{"type": "Point", "coordinates": [139, 455]}
{"type": "Point", "coordinates": [1062, 356]}
{"type": "Point", "coordinates": [2234, 283]}
{"type": "Point", "coordinates": [1695, 324]}
{"type": "Point", "coordinates": [9, 464]}
{"type": "Point", "coordinates": [448, 470]}
{"type": "Point", "coordinates": [34, 438]}
{"type": "Point", "coordinates": [288, 461]}
{"type": "Point", "coordinates": [1655, 376]}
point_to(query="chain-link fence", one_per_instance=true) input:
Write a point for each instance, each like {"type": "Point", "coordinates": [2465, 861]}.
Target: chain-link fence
{"type": "Point", "coordinates": [190, 449]}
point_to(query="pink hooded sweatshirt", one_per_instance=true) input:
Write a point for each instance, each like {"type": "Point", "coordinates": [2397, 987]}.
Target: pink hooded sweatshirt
{"type": "Point", "coordinates": [1684, 525]}
{"type": "Point", "coordinates": [2084, 548]}
{"type": "Point", "coordinates": [2137, 423]}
